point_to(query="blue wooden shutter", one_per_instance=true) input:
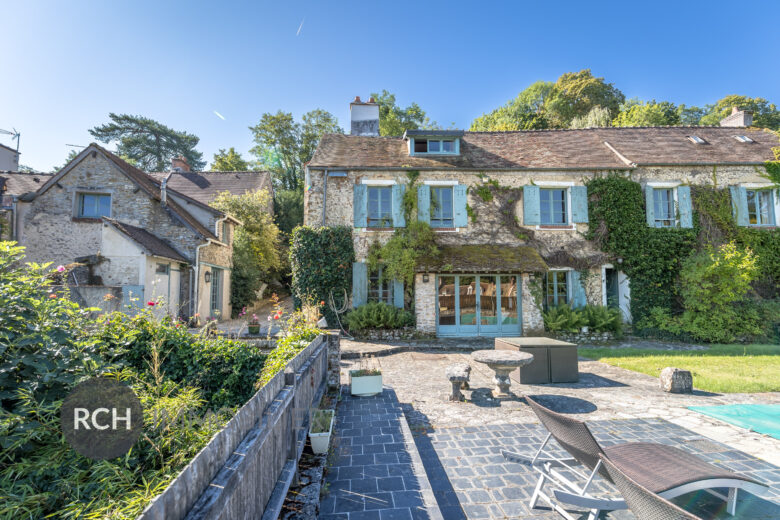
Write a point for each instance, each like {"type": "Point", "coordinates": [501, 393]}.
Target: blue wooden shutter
{"type": "Point", "coordinates": [399, 220]}
{"type": "Point", "coordinates": [359, 205]}
{"type": "Point", "coordinates": [650, 207]}
{"type": "Point", "coordinates": [460, 199]}
{"type": "Point", "coordinates": [359, 284]}
{"type": "Point", "coordinates": [531, 212]}
{"type": "Point", "coordinates": [398, 293]}
{"type": "Point", "coordinates": [424, 203]}
{"type": "Point", "coordinates": [739, 204]}
{"type": "Point", "coordinates": [579, 204]}
{"type": "Point", "coordinates": [684, 206]}
{"type": "Point", "coordinates": [576, 290]}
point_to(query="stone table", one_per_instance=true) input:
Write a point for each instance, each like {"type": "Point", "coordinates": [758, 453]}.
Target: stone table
{"type": "Point", "coordinates": [502, 362]}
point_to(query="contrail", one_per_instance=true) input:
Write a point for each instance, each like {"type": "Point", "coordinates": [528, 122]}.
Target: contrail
{"type": "Point", "coordinates": [219, 115]}
{"type": "Point", "coordinates": [300, 27]}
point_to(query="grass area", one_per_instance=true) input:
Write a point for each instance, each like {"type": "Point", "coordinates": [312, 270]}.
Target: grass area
{"type": "Point", "coordinates": [721, 368]}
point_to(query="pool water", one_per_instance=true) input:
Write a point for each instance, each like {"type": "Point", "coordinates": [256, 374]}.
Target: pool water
{"type": "Point", "coordinates": [761, 418]}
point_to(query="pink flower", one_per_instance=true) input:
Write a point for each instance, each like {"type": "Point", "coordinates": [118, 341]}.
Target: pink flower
{"type": "Point", "coordinates": [269, 317]}
{"type": "Point", "coordinates": [60, 268]}
{"type": "Point", "coordinates": [151, 303]}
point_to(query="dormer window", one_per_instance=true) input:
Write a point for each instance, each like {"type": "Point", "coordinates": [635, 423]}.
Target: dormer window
{"type": "Point", "coordinates": [433, 142]}
{"type": "Point", "coordinates": [743, 139]}
{"type": "Point", "coordinates": [695, 139]}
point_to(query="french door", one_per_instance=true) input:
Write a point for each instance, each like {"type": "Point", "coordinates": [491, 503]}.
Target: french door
{"type": "Point", "coordinates": [478, 305]}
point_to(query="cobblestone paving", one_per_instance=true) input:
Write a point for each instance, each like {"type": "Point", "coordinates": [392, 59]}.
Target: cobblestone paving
{"type": "Point", "coordinates": [377, 473]}
{"type": "Point", "coordinates": [472, 480]}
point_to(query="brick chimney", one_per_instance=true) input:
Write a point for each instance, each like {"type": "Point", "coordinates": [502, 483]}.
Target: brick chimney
{"type": "Point", "coordinates": [365, 117]}
{"type": "Point", "coordinates": [179, 164]}
{"type": "Point", "coordinates": [738, 118]}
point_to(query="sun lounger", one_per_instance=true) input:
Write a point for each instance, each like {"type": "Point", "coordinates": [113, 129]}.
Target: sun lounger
{"type": "Point", "coordinates": [645, 504]}
{"type": "Point", "coordinates": [664, 470]}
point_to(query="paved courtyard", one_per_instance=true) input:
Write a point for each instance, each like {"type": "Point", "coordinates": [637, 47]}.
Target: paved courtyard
{"type": "Point", "coordinates": [455, 453]}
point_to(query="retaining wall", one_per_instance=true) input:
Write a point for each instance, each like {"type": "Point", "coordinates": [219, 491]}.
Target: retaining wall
{"type": "Point", "coordinates": [246, 469]}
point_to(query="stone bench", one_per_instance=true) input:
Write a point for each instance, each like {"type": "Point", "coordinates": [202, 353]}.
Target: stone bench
{"type": "Point", "coordinates": [458, 375]}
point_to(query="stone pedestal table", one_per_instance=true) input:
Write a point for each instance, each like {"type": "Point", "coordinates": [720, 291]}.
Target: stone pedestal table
{"type": "Point", "coordinates": [502, 362]}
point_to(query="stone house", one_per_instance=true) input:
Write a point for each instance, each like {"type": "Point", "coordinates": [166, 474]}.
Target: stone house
{"type": "Point", "coordinates": [132, 237]}
{"type": "Point", "coordinates": [9, 158]}
{"type": "Point", "coordinates": [507, 205]}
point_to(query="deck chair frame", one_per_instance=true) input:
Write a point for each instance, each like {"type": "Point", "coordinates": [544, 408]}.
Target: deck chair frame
{"type": "Point", "coordinates": [571, 493]}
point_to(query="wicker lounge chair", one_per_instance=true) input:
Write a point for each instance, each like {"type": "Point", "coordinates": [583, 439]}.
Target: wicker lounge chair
{"type": "Point", "coordinates": [645, 504]}
{"type": "Point", "coordinates": [664, 470]}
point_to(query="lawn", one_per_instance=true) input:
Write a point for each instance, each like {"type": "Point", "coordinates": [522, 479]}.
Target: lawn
{"type": "Point", "coordinates": [721, 368]}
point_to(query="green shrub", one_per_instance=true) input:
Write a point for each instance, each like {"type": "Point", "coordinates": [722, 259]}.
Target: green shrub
{"type": "Point", "coordinates": [600, 318]}
{"type": "Point", "coordinates": [298, 334]}
{"type": "Point", "coordinates": [563, 318]}
{"type": "Point", "coordinates": [378, 315]}
{"type": "Point", "coordinates": [321, 261]}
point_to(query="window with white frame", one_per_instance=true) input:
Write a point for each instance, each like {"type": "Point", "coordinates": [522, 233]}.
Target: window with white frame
{"type": "Point", "coordinates": [556, 288]}
{"type": "Point", "coordinates": [760, 207]}
{"type": "Point", "coordinates": [380, 206]}
{"type": "Point", "coordinates": [93, 205]}
{"type": "Point", "coordinates": [434, 146]}
{"type": "Point", "coordinates": [162, 268]}
{"type": "Point", "coordinates": [379, 290]}
{"type": "Point", "coordinates": [664, 208]}
{"type": "Point", "coordinates": [552, 206]}
{"type": "Point", "coordinates": [441, 207]}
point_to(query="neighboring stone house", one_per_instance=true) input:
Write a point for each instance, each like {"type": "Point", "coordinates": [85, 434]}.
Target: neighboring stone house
{"type": "Point", "coordinates": [134, 236]}
{"type": "Point", "coordinates": [14, 186]}
{"type": "Point", "coordinates": [9, 158]}
{"type": "Point", "coordinates": [483, 283]}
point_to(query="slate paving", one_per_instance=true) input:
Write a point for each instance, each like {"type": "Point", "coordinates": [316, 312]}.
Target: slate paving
{"type": "Point", "coordinates": [376, 472]}
{"type": "Point", "coordinates": [471, 479]}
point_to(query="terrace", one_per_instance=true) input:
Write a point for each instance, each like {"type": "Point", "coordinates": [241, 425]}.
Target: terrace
{"type": "Point", "coordinates": [411, 453]}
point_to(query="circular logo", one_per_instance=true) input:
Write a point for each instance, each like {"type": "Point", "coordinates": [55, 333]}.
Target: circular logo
{"type": "Point", "coordinates": [101, 418]}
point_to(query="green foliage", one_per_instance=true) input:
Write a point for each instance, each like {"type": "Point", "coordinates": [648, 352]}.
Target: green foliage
{"type": "Point", "coordinates": [229, 161]}
{"type": "Point", "coordinates": [320, 421]}
{"type": "Point", "coordinates": [525, 112]}
{"type": "Point", "coordinates": [149, 143]}
{"type": "Point", "coordinates": [597, 117]}
{"type": "Point", "coordinates": [400, 254]}
{"type": "Point", "coordinates": [690, 116]}
{"type": "Point", "coordinates": [321, 260]}
{"type": "Point", "coordinates": [765, 114]}
{"type": "Point", "coordinates": [71, 155]}
{"type": "Point", "coordinates": [283, 146]}
{"type": "Point", "coordinates": [597, 318]}
{"type": "Point", "coordinates": [651, 256]}
{"type": "Point", "coordinates": [298, 334]}
{"type": "Point", "coordinates": [255, 244]}
{"type": "Point", "coordinates": [563, 319]}
{"type": "Point", "coordinates": [378, 315]}
{"type": "Point", "coordinates": [394, 120]}
{"type": "Point", "coordinates": [288, 209]}
{"type": "Point", "coordinates": [639, 113]}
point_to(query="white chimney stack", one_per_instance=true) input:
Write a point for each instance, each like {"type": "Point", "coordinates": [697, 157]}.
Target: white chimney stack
{"type": "Point", "coordinates": [365, 117]}
{"type": "Point", "coordinates": [738, 118]}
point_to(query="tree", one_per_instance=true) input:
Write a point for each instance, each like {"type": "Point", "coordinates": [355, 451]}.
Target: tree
{"type": "Point", "coordinates": [525, 112]}
{"type": "Point", "coordinates": [255, 244]}
{"type": "Point", "coordinates": [639, 113]}
{"type": "Point", "coordinates": [598, 117]}
{"type": "Point", "coordinates": [229, 161]}
{"type": "Point", "coordinates": [283, 146]}
{"type": "Point", "coordinates": [288, 209]}
{"type": "Point", "coordinates": [394, 120]}
{"type": "Point", "coordinates": [71, 155]}
{"type": "Point", "coordinates": [765, 114]}
{"type": "Point", "coordinates": [690, 116]}
{"type": "Point", "coordinates": [150, 143]}
{"type": "Point", "coordinates": [576, 93]}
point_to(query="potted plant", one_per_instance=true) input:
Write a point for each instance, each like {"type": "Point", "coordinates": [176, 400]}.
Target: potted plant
{"type": "Point", "coordinates": [321, 430]}
{"type": "Point", "coordinates": [366, 380]}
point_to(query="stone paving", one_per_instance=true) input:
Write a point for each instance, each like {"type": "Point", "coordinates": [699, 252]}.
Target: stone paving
{"type": "Point", "coordinates": [477, 483]}
{"type": "Point", "coordinates": [377, 473]}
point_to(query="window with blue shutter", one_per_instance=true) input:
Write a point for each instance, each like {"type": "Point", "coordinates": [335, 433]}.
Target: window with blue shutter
{"type": "Point", "coordinates": [556, 288]}
{"type": "Point", "coordinates": [739, 204]}
{"type": "Point", "coordinates": [359, 283]}
{"type": "Point", "coordinates": [399, 219]}
{"type": "Point", "coordinates": [649, 206]}
{"type": "Point", "coordinates": [359, 206]}
{"type": "Point", "coordinates": [398, 293]}
{"type": "Point", "coordinates": [684, 206]}
{"type": "Point", "coordinates": [380, 206]}
{"type": "Point", "coordinates": [531, 215]}
{"type": "Point", "coordinates": [441, 207]}
{"type": "Point", "coordinates": [552, 207]}
{"type": "Point", "coordinates": [579, 204]}
{"type": "Point", "coordinates": [461, 218]}
{"type": "Point", "coordinates": [578, 298]}
{"type": "Point", "coordinates": [424, 203]}
{"type": "Point", "coordinates": [760, 207]}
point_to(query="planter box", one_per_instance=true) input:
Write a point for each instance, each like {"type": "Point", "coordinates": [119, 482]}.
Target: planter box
{"type": "Point", "coordinates": [365, 386]}
{"type": "Point", "coordinates": [254, 329]}
{"type": "Point", "coordinates": [321, 441]}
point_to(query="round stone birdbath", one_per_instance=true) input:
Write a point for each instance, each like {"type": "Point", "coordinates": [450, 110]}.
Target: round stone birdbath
{"type": "Point", "coordinates": [502, 362]}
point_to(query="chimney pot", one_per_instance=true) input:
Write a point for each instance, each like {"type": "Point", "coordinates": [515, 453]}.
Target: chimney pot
{"type": "Point", "coordinates": [371, 100]}
{"type": "Point", "coordinates": [738, 118]}
{"type": "Point", "coordinates": [365, 117]}
{"type": "Point", "coordinates": [734, 110]}
{"type": "Point", "coordinates": [357, 99]}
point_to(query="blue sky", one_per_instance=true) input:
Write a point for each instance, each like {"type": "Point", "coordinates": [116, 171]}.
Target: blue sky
{"type": "Point", "coordinates": [66, 65]}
